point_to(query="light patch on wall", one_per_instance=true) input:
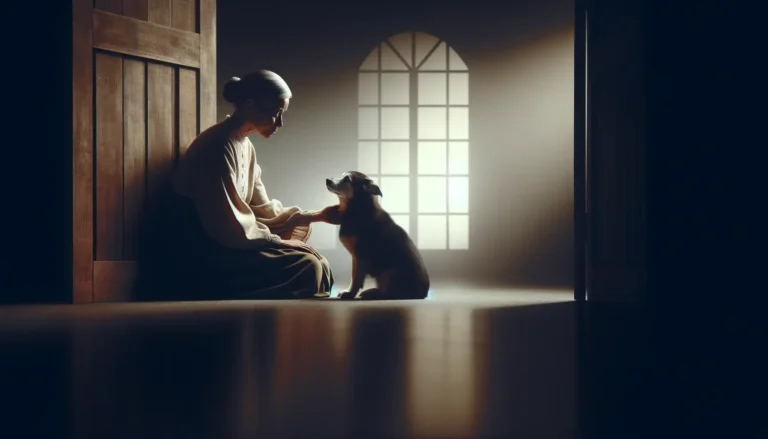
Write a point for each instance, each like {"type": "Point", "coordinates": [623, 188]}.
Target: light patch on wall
{"type": "Point", "coordinates": [529, 92]}
{"type": "Point", "coordinates": [423, 169]}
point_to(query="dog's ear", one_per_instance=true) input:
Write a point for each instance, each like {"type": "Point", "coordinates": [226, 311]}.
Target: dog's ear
{"type": "Point", "coordinates": [372, 189]}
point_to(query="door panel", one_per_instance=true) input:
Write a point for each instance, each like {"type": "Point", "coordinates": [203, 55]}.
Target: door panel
{"type": "Point", "coordinates": [109, 157]}
{"type": "Point", "coordinates": [144, 86]}
{"type": "Point", "coordinates": [134, 152]}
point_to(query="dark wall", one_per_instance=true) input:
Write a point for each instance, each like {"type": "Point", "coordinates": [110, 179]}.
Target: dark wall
{"type": "Point", "coordinates": [36, 182]}
{"type": "Point", "coordinates": [520, 57]}
{"type": "Point", "coordinates": [618, 119]}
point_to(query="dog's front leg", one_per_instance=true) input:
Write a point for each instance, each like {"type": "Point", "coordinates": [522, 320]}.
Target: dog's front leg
{"type": "Point", "coordinates": [358, 278]}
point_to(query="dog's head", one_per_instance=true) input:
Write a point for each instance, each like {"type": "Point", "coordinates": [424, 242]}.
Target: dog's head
{"type": "Point", "coordinates": [353, 185]}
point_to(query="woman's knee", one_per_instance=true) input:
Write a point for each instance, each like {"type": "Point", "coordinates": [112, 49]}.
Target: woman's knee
{"type": "Point", "coordinates": [312, 270]}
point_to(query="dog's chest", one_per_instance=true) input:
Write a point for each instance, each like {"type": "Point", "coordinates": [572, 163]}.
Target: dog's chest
{"type": "Point", "coordinates": [349, 242]}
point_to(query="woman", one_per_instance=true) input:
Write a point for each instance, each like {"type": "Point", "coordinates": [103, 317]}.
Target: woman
{"type": "Point", "coordinates": [248, 245]}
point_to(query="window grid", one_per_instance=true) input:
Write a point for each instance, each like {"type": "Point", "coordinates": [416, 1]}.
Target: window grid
{"type": "Point", "coordinates": [447, 214]}
{"type": "Point", "coordinates": [405, 106]}
{"type": "Point", "coordinates": [420, 71]}
{"type": "Point", "coordinates": [413, 106]}
{"type": "Point", "coordinates": [414, 155]}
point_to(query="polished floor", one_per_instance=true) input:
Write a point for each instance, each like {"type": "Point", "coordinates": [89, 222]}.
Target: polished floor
{"type": "Point", "coordinates": [468, 363]}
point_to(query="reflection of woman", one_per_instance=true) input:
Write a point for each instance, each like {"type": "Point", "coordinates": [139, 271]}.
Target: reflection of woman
{"type": "Point", "coordinates": [251, 245]}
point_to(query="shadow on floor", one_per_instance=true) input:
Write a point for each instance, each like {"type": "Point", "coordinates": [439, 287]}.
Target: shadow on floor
{"type": "Point", "coordinates": [314, 369]}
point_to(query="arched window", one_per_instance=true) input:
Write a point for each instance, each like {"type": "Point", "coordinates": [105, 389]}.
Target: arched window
{"type": "Point", "coordinates": [413, 136]}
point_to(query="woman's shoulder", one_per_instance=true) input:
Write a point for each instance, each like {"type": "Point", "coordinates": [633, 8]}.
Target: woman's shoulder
{"type": "Point", "coordinates": [214, 140]}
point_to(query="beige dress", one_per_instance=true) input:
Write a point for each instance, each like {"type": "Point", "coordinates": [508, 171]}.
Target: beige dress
{"type": "Point", "coordinates": [220, 180]}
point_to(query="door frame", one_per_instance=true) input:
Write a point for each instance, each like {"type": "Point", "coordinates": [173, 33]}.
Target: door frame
{"type": "Point", "coordinates": [581, 153]}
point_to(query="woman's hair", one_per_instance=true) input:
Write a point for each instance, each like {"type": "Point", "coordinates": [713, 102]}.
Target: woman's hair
{"type": "Point", "coordinates": [262, 86]}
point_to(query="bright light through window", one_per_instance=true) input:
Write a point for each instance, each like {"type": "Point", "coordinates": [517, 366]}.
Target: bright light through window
{"type": "Point", "coordinates": [413, 136]}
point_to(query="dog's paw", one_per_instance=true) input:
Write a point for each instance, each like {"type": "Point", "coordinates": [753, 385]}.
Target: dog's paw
{"type": "Point", "coordinates": [373, 294]}
{"type": "Point", "coordinates": [346, 295]}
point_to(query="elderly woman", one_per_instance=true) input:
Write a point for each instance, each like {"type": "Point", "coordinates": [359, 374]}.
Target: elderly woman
{"type": "Point", "coordinates": [246, 244]}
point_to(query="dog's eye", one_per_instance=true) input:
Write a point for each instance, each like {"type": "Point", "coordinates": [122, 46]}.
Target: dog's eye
{"type": "Point", "coordinates": [347, 178]}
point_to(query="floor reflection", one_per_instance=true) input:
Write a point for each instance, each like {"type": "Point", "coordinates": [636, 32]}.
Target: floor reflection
{"type": "Point", "coordinates": [301, 369]}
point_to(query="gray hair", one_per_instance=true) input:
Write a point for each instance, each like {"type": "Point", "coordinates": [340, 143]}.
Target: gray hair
{"type": "Point", "coordinates": [262, 86]}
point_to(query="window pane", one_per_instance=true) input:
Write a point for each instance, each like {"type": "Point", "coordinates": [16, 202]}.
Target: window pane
{"type": "Point", "coordinates": [459, 88]}
{"type": "Point", "coordinates": [390, 60]}
{"type": "Point", "coordinates": [458, 123]}
{"type": "Point", "coordinates": [371, 61]}
{"type": "Point", "coordinates": [432, 232]}
{"type": "Point", "coordinates": [458, 194]}
{"type": "Point", "coordinates": [424, 44]}
{"type": "Point", "coordinates": [395, 123]}
{"type": "Point", "coordinates": [458, 158]}
{"type": "Point", "coordinates": [395, 157]}
{"type": "Point", "coordinates": [432, 195]}
{"type": "Point", "coordinates": [454, 60]}
{"type": "Point", "coordinates": [396, 194]}
{"type": "Point", "coordinates": [432, 158]}
{"type": "Point", "coordinates": [432, 89]}
{"type": "Point", "coordinates": [368, 157]}
{"type": "Point", "coordinates": [458, 232]}
{"type": "Point", "coordinates": [395, 88]}
{"type": "Point", "coordinates": [438, 60]}
{"type": "Point", "coordinates": [432, 123]}
{"type": "Point", "coordinates": [368, 123]}
{"type": "Point", "coordinates": [403, 221]}
{"type": "Point", "coordinates": [403, 44]}
{"type": "Point", "coordinates": [368, 89]}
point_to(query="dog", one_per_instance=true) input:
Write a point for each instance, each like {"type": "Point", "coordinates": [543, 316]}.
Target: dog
{"type": "Point", "coordinates": [379, 247]}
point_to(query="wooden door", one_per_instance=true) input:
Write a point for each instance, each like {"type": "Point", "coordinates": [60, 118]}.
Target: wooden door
{"type": "Point", "coordinates": [144, 83]}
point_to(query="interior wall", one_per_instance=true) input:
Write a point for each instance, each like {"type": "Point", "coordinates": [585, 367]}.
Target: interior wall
{"type": "Point", "coordinates": [36, 176]}
{"type": "Point", "coordinates": [520, 59]}
{"type": "Point", "coordinates": [522, 236]}
{"type": "Point", "coordinates": [617, 132]}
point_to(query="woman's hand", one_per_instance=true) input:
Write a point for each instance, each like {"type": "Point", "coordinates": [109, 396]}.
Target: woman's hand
{"type": "Point", "coordinates": [299, 245]}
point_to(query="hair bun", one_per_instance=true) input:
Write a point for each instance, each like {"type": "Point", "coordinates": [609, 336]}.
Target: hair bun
{"type": "Point", "coordinates": [231, 92]}
{"type": "Point", "coordinates": [261, 86]}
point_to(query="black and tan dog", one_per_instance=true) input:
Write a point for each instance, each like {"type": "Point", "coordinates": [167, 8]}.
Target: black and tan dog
{"type": "Point", "coordinates": [379, 247]}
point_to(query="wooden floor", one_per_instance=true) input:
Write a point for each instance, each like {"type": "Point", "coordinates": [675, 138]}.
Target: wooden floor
{"type": "Point", "coordinates": [468, 363]}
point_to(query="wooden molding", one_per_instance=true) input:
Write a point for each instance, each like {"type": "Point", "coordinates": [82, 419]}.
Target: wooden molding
{"type": "Point", "coordinates": [207, 49]}
{"type": "Point", "coordinates": [143, 39]}
{"type": "Point", "coordinates": [82, 145]}
{"type": "Point", "coordinates": [113, 281]}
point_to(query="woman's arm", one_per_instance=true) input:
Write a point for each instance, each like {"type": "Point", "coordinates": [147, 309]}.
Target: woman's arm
{"type": "Point", "coordinates": [260, 203]}
{"type": "Point", "coordinates": [223, 214]}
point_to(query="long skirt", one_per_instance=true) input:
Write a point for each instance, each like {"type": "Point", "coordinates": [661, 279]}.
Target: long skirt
{"type": "Point", "coordinates": [192, 266]}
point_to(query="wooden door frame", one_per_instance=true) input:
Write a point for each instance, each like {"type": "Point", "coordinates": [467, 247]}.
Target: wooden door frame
{"type": "Point", "coordinates": [88, 25]}
{"type": "Point", "coordinates": [580, 153]}
{"type": "Point", "coordinates": [609, 165]}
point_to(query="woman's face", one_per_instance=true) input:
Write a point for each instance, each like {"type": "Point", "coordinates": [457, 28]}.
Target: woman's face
{"type": "Point", "coordinates": [267, 121]}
